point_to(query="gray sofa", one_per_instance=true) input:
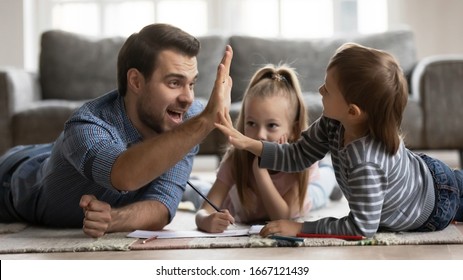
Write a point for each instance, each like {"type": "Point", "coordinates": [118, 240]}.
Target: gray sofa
{"type": "Point", "coordinates": [73, 69]}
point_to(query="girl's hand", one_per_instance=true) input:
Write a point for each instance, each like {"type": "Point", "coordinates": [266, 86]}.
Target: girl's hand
{"type": "Point", "coordinates": [216, 222]}
{"type": "Point", "coordinates": [283, 139]}
{"type": "Point", "coordinates": [281, 227]}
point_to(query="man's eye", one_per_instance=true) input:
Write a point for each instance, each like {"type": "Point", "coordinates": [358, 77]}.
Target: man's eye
{"type": "Point", "coordinates": [174, 83]}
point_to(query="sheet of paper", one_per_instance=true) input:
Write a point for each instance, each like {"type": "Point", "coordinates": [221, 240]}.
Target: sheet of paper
{"type": "Point", "coordinates": [186, 233]}
{"type": "Point", "coordinates": [255, 229]}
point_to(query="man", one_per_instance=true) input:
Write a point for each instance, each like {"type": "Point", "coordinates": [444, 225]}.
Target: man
{"type": "Point", "coordinates": [123, 159]}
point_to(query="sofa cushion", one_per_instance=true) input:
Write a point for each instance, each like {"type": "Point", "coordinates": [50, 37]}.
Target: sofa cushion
{"type": "Point", "coordinates": [42, 122]}
{"type": "Point", "coordinates": [309, 57]}
{"type": "Point", "coordinates": [77, 67]}
{"type": "Point", "coordinates": [212, 49]}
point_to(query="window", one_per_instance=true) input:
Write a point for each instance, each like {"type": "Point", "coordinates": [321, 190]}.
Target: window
{"type": "Point", "coordinates": [104, 18]}
{"type": "Point", "coordinates": [267, 18]}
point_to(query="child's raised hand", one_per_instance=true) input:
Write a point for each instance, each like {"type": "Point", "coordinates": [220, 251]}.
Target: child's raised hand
{"type": "Point", "coordinates": [236, 138]}
{"type": "Point", "coordinates": [225, 125]}
{"type": "Point", "coordinates": [281, 227]}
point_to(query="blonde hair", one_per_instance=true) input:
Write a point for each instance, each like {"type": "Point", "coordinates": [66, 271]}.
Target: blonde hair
{"type": "Point", "coordinates": [373, 80]}
{"type": "Point", "coordinates": [269, 81]}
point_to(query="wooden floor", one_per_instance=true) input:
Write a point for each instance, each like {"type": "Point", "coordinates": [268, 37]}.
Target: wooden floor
{"type": "Point", "coordinates": [423, 252]}
{"type": "Point", "coordinates": [408, 252]}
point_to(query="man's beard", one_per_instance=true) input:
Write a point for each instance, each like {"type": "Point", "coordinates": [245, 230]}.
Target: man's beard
{"type": "Point", "coordinates": [155, 122]}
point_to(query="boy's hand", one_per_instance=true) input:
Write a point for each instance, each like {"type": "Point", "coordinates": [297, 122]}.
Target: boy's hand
{"type": "Point", "coordinates": [281, 227]}
{"type": "Point", "coordinates": [236, 138]}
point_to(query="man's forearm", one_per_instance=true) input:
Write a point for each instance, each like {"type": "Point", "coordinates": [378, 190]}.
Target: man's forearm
{"type": "Point", "coordinates": [143, 215]}
{"type": "Point", "coordinates": [144, 162]}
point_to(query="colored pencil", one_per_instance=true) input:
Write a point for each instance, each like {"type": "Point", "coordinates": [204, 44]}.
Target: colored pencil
{"type": "Point", "coordinates": [149, 239]}
{"type": "Point", "coordinates": [338, 236]}
{"type": "Point", "coordinates": [286, 238]}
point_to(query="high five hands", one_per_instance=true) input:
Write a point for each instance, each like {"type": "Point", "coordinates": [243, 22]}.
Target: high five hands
{"type": "Point", "coordinates": [220, 99]}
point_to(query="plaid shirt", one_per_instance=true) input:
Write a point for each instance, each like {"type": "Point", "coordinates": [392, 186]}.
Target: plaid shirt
{"type": "Point", "coordinates": [46, 189]}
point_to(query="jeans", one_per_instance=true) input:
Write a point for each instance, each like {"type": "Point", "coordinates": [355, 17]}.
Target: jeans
{"type": "Point", "coordinates": [9, 162]}
{"type": "Point", "coordinates": [319, 190]}
{"type": "Point", "coordinates": [448, 186]}
{"type": "Point", "coordinates": [190, 195]}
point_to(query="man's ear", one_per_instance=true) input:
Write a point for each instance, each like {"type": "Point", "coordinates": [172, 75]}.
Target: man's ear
{"type": "Point", "coordinates": [134, 80]}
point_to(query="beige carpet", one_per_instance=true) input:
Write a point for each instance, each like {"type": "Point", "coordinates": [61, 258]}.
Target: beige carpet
{"type": "Point", "coordinates": [185, 221]}
{"type": "Point", "coordinates": [21, 238]}
{"type": "Point", "coordinates": [451, 235]}
{"type": "Point", "coordinates": [31, 239]}
{"type": "Point", "coordinates": [41, 240]}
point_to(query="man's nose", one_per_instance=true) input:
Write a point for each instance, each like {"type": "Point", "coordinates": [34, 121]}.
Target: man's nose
{"type": "Point", "coordinates": [187, 95]}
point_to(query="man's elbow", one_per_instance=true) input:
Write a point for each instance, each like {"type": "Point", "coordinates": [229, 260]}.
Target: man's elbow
{"type": "Point", "coordinates": [123, 183]}
{"type": "Point", "coordinates": [159, 224]}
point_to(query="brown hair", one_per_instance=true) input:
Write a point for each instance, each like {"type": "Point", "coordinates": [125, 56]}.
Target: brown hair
{"type": "Point", "coordinates": [373, 80]}
{"type": "Point", "coordinates": [269, 81]}
{"type": "Point", "coordinates": [141, 50]}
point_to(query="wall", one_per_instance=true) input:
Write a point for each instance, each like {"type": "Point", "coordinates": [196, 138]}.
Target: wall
{"type": "Point", "coordinates": [436, 24]}
{"type": "Point", "coordinates": [12, 32]}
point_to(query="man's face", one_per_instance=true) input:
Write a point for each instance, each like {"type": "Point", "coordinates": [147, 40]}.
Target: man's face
{"type": "Point", "coordinates": [166, 97]}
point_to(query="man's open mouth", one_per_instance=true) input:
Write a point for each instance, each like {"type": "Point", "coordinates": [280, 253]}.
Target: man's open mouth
{"type": "Point", "coordinates": [175, 116]}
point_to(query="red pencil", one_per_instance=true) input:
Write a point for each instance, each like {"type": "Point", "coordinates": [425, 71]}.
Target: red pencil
{"type": "Point", "coordinates": [149, 239]}
{"type": "Point", "coordinates": [317, 235]}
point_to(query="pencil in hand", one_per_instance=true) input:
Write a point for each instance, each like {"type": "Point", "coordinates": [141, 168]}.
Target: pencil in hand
{"type": "Point", "coordinates": [205, 198]}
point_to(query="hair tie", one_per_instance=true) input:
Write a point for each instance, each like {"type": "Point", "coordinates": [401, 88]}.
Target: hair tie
{"type": "Point", "coordinates": [279, 77]}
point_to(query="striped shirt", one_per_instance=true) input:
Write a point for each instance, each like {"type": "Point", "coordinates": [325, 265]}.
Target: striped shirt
{"type": "Point", "coordinates": [384, 192]}
{"type": "Point", "coordinates": [46, 190]}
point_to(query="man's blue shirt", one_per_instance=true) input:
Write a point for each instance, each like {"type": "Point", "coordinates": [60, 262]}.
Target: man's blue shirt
{"type": "Point", "coordinates": [46, 189]}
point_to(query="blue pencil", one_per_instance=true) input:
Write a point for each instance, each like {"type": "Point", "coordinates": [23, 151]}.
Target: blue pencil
{"type": "Point", "coordinates": [286, 238]}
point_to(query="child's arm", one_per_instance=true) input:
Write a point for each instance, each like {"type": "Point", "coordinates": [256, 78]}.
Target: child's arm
{"type": "Point", "coordinates": [276, 206]}
{"type": "Point", "coordinates": [209, 220]}
{"type": "Point", "coordinates": [281, 227]}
